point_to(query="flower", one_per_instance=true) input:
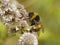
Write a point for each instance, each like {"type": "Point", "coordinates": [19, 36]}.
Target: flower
{"type": "Point", "coordinates": [28, 38]}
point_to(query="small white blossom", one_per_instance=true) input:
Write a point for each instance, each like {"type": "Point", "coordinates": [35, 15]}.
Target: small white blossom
{"type": "Point", "coordinates": [16, 11]}
{"type": "Point", "coordinates": [28, 38]}
{"type": "Point", "coordinates": [1, 12]}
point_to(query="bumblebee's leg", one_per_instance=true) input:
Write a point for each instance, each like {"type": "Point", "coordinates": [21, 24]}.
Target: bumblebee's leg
{"type": "Point", "coordinates": [42, 27]}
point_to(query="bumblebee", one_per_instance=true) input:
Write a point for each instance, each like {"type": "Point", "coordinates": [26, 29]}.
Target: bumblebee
{"type": "Point", "coordinates": [34, 18]}
{"type": "Point", "coordinates": [35, 21]}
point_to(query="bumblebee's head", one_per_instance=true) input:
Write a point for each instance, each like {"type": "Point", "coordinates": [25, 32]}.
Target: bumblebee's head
{"type": "Point", "coordinates": [31, 14]}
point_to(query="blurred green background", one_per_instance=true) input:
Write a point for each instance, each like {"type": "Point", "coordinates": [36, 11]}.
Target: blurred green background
{"type": "Point", "coordinates": [49, 11]}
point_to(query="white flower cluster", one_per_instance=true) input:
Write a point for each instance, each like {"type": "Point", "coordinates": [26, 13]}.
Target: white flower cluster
{"type": "Point", "coordinates": [28, 39]}
{"type": "Point", "coordinates": [13, 13]}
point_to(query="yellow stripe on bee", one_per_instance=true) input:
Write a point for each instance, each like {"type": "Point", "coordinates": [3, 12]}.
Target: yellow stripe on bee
{"type": "Point", "coordinates": [37, 26]}
{"type": "Point", "coordinates": [35, 14]}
